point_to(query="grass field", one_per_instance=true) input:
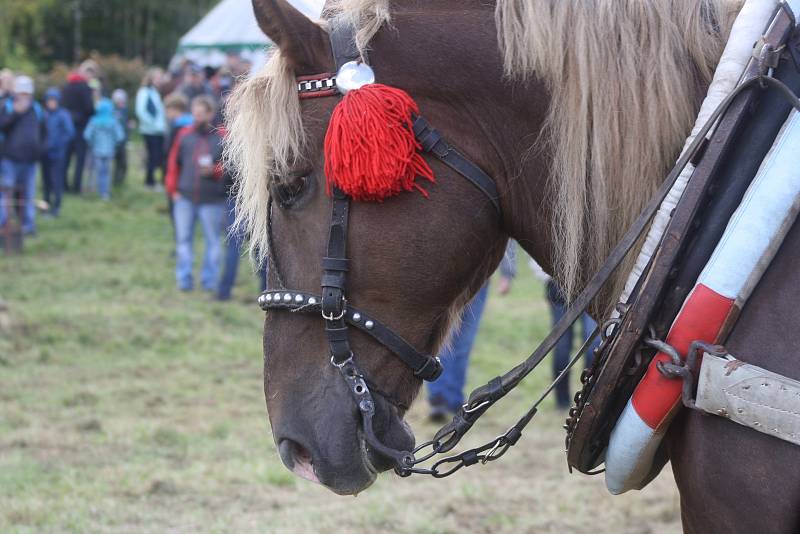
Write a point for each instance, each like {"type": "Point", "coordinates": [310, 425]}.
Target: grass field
{"type": "Point", "coordinates": [128, 406]}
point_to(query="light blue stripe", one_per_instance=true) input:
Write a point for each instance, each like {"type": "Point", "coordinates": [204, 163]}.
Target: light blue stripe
{"type": "Point", "coordinates": [765, 214]}
{"type": "Point", "coordinates": [795, 5]}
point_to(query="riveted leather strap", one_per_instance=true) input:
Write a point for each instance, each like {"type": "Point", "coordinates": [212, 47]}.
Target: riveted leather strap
{"type": "Point", "coordinates": [425, 366]}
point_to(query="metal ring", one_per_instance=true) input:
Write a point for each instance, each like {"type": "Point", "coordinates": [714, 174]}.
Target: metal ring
{"type": "Point", "coordinates": [666, 348]}
{"type": "Point", "coordinates": [488, 456]}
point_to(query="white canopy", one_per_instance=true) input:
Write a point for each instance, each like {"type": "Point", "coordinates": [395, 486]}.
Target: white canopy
{"type": "Point", "coordinates": [231, 27]}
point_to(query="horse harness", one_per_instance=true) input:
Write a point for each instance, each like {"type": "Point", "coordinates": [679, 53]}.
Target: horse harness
{"type": "Point", "coordinates": [339, 315]}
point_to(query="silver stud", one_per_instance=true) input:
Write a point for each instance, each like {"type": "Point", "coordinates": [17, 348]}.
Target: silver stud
{"type": "Point", "coordinates": [287, 297]}
{"type": "Point", "coordinates": [356, 317]}
{"type": "Point", "coordinates": [267, 297]}
{"type": "Point", "coordinates": [312, 300]}
{"type": "Point", "coordinates": [261, 299]}
{"type": "Point", "coordinates": [369, 325]}
{"type": "Point", "coordinates": [298, 298]}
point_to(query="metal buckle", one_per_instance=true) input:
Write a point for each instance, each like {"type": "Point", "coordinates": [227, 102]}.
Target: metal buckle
{"type": "Point", "coordinates": [466, 408]}
{"type": "Point", "coordinates": [332, 317]}
{"type": "Point", "coordinates": [341, 365]}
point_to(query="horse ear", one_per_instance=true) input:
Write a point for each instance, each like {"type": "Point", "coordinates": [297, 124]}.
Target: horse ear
{"type": "Point", "coordinates": [304, 44]}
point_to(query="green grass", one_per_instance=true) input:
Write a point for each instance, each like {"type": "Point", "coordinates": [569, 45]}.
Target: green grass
{"type": "Point", "coordinates": [128, 406]}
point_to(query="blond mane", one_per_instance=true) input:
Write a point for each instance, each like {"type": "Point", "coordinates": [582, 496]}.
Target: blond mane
{"type": "Point", "coordinates": [625, 79]}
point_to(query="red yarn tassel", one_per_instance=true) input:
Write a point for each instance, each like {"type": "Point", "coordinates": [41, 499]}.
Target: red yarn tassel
{"type": "Point", "coordinates": [370, 149]}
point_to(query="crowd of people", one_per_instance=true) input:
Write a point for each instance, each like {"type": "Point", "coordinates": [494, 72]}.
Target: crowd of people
{"type": "Point", "coordinates": [78, 137]}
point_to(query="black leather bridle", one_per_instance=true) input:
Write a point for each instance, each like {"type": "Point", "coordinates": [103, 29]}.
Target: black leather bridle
{"type": "Point", "coordinates": [337, 313]}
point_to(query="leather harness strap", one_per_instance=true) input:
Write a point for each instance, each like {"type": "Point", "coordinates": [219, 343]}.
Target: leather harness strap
{"type": "Point", "coordinates": [434, 143]}
{"type": "Point", "coordinates": [424, 366]}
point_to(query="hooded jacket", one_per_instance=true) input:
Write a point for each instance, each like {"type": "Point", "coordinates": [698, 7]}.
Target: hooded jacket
{"type": "Point", "coordinates": [104, 132]}
{"type": "Point", "coordinates": [60, 129]}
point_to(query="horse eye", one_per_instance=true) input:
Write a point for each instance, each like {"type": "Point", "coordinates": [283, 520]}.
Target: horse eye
{"type": "Point", "coordinates": [288, 191]}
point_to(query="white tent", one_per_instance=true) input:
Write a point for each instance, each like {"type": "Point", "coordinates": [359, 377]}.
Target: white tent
{"type": "Point", "coordinates": [231, 27]}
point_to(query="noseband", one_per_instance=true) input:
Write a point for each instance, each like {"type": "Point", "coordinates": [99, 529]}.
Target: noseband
{"type": "Point", "coordinates": [337, 313]}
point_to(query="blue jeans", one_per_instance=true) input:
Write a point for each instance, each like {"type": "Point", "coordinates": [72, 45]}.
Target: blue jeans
{"type": "Point", "coordinates": [54, 176]}
{"type": "Point", "coordinates": [22, 177]}
{"type": "Point", "coordinates": [563, 350]}
{"type": "Point", "coordinates": [449, 387]}
{"type": "Point", "coordinates": [102, 172]}
{"type": "Point", "coordinates": [233, 252]}
{"type": "Point", "coordinates": [186, 215]}
{"type": "Point", "coordinates": [77, 148]}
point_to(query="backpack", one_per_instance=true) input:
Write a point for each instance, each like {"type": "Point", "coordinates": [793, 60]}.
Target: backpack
{"type": "Point", "coordinates": [37, 108]}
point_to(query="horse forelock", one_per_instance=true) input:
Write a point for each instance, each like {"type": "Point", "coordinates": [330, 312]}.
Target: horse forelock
{"type": "Point", "coordinates": [636, 68]}
{"type": "Point", "coordinates": [626, 79]}
{"type": "Point", "coordinates": [266, 136]}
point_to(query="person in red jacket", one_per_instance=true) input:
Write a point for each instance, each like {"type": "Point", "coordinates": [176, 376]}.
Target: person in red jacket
{"type": "Point", "coordinates": [194, 182]}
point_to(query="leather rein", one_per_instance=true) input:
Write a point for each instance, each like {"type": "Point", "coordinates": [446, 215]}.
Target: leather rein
{"type": "Point", "coordinates": [338, 315]}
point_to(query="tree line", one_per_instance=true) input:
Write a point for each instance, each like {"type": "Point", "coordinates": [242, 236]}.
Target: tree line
{"type": "Point", "coordinates": [44, 32]}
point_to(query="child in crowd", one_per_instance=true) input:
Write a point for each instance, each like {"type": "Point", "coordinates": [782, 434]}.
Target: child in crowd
{"type": "Point", "coordinates": [102, 135]}
{"type": "Point", "coordinates": [24, 131]}
{"type": "Point", "coordinates": [177, 112]}
{"type": "Point", "coordinates": [120, 99]}
{"type": "Point", "coordinates": [178, 116]}
{"type": "Point", "coordinates": [60, 131]}
{"type": "Point", "coordinates": [195, 182]}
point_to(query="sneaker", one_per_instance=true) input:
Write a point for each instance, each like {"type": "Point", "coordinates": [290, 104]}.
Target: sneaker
{"type": "Point", "coordinates": [439, 412]}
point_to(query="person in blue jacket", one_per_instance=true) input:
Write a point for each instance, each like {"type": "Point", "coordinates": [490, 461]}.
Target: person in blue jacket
{"type": "Point", "coordinates": [60, 131]}
{"type": "Point", "coordinates": [25, 136]}
{"type": "Point", "coordinates": [103, 134]}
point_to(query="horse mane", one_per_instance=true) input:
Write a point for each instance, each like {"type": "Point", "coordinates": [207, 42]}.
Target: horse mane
{"type": "Point", "coordinates": [634, 68]}
{"type": "Point", "coordinates": [266, 137]}
{"type": "Point", "coordinates": [626, 79]}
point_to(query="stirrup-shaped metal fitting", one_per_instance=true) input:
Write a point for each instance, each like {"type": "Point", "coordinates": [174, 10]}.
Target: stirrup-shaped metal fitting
{"type": "Point", "coordinates": [341, 365]}
{"type": "Point", "coordinates": [332, 317]}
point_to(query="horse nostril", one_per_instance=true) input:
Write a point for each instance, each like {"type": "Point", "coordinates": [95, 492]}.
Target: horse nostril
{"type": "Point", "coordinates": [298, 459]}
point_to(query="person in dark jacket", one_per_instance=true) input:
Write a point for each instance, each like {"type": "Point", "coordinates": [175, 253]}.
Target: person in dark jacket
{"type": "Point", "coordinates": [76, 97]}
{"type": "Point", "coordinates": [23, 127]}
{"type": "Point", "coordinates": [178, 117]}
{"type": "Point", "coordinates": [195, 182]}
{"type": "Point", "coordinates": [60, 132]}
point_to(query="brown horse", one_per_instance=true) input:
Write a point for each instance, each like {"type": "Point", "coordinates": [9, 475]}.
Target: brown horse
{"type": "Point", "coordinates": [577, 110]}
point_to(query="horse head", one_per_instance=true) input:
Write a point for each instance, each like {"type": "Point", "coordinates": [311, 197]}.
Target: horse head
{"type": "Point", "coordinates": [415, 260]}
